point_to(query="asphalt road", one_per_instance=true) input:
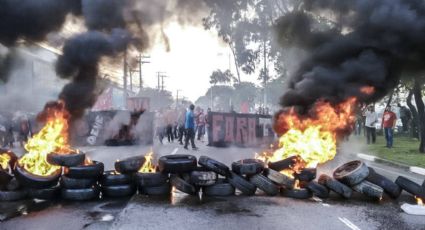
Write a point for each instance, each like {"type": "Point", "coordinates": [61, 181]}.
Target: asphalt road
{"type": "Point", "coordinates": [181, 211]}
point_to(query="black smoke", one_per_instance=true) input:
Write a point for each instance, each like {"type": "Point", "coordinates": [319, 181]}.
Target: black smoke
{"type": "Point", "coordinates": [373, 44]}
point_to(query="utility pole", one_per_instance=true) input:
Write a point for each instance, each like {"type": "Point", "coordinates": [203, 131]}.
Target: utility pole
{"type": "Point", "coordinates": [162, 82]}
{"type": "Point", "coordinates": [125, 77]}
{"type": "Point", "coordinates": [158, 75]}
{"type": "Point", "coordinates": [177, 98]}
{"type": "Point", "coordinates": [141, 62]}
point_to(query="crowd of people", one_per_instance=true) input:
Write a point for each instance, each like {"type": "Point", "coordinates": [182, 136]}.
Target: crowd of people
{"type": "Point", "coordinates": [15, 129]}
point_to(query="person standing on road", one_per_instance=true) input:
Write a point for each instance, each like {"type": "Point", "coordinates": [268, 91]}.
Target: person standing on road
{"type": "Point", "coordinates": [388, 123]}
{"type": "Point", "coordinates": [190, 128]}
{"type": "Point", "coordinates": [371, 120]}
{"type": "Point", "coordinates": [201, 124]}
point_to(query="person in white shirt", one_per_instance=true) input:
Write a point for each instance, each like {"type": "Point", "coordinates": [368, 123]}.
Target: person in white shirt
{"type": "Point", "coordinates": [371, 120]}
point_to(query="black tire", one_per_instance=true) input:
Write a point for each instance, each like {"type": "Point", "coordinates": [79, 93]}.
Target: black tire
{"type": "Point", "coordinates": [301, 193]}
{"type": "Point", "coordinates": [391, 188]}
{"type": "Point", "coordinates": [318, 189]}
{"type": "Point", "coordinates": [81, 194]}
{"type": "Point", "coordinates": [151, 179]}
{"type": "Point", "coordinates": [248, 166]}
{"type": "Point", "coordinates": [279, 178]}
{"type": "Point", "coordinates": [162, 190]}
{"type": "Point", "coordinates": [94, 170]}
{"type": "Point", "coordinates": [203, 178]}
{"type": "Point", "coordinates": [45, 194]}
{"type": "Point", "coordinates": [351, 173]}
{"type": "Point", "coordinates": [67, 160]}
{"type": "Point", "coordinates": [119, 190]}
{"type": "Point", "coordinates": [307, 174]}
{"type": "Point", "coordinates": [264, 184]}
{"type": "Point", "coordinates": [111, 178]}
{"type": "Point", "coordinates": [72, 183]}
{"type": "Point", "coordinates": [336, 186]}
{"type": "Point", "coordinates": [219, 189]}
{"type": "Point", "coordinates": [129, 165]}
{"type": "Point", "coordinates": [284, 164]}
{"type": "Point", "coordinates": [29, 180]}
{"type": "Point", "coordinates": [177, 163]}
{"type": "Point", "coordinates": [214, 166]}
{"type": "Point", "coordinates": [410, 187]}
{"type": "Point", "coordinates": [13, 185]}
{"type": "Point", "coordinates": [182, 185]}
{"type": "Point", "coordinates": [368, 189]}
{"type": "Point", "coordinates": [246, 187]}
{"type": "Point", "coordinates": [13, 195]}
{"type": "Point", "coordinates": [5, 177]}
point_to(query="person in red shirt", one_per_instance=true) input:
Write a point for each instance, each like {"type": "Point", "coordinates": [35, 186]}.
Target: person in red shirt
{"type": "Point", "coordinates": [388, 123]}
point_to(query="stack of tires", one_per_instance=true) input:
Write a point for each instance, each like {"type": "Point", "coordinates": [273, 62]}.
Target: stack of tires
{"type": "Point", "coordinates": [10, 188]}
{"type": "Point", "coordinates": [79, 181]}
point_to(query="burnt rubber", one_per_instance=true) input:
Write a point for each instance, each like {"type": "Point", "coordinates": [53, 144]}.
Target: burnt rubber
{"type": "Point", "coordinates": [94, 170]}
{"type": "Point", "coordinates": [264, 184]}
{"type": "Point", "coordinates": [368, 189]}
{"type": "Point", "coordinates": [129, 165]}
{"type": "Point", "coordinates": [73, 183]}
{"type": "Point", "coordinates": [283, 164]}
{"type": "Point", "coordinates": [110, 178]}
{"type": "Point", "coordinates": [161, 190]}
{"type": "Point", "coordinates": [214, 165]}
{"type": "Point", "coordinates": [307, 174]}
{"type": "Point", "coordinates": [177, 163]}
{"type": "Point", "coordinates": [13, 195]}
{"type": "Point", "coordinates": [5, 177]}
{"type": "Point", "coordinates": [318, 189]}
{"type": "Point", "coordinates": [336, 186]}
{"type": "Point", "coordinates": [248, 166]}
{"type": "Point", "coordinates": [203, 178]}
{"type": "Point", "coordinates": [410, 187]}
{"type": "Point", "coordinates": [29, 180]}
{"type": "Point", "coordinates": [351, 173]}
{"type": "Point", "coordinates": [279, 178]}
{"type": "Point", "coordinates": [246, 187]}
{"type": "Point", "coordinates": [221, 188]}
{"type": "Point", "coordinates": [80, 194]}
{"type": "Point", "coordinates": [67, 160]}
{"type": "Point", "coordinates": [182, 185]}
{"type": "Point", "coordinates": [151, 179]}
{"type": "Point", "coordinates": [301, 193]}
{"type": "Point", "coordinates": [13, 185]}
{"type": "Point", "coordinates": [45, 194]}
{"type": "Point", "coordinates": [119, 190]}
{"type": "Point", "coordinates": [391, 188]}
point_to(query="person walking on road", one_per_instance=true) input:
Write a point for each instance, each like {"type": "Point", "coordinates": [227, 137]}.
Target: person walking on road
{"type": "Point", "coordinates": [371, 120]}
{"type": "Point", "coordinates": [388, 123]}
{"type": "Point", "coordinates": [190, 128]}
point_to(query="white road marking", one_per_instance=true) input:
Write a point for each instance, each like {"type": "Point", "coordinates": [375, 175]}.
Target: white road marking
{"type": "Point", "coordinates": [417, 170]}
{"type": "Point", "coordinates": [317, 199]}
{"type": "Point", "coordinates": [348, 223]}
{"type": "Point", "coordinates": [174, 151]}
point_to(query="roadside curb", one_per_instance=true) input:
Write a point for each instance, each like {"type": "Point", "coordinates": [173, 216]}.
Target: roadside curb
{"type": "Point", "coordinates": [412, 169]}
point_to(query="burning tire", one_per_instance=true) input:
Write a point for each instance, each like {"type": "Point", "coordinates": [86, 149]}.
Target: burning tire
{"type": "Point", "coordinates": [30, 180]}
{"type": "Point", "coordinates": [5, 177]}
{"type": "Point", "coordinates": [111, 178]}
{"type": "Point", "coordinates": [72, 183]}
{"type": "Point", "coordinates": [264, 184]}
{"type": "Point", "coordinates": [318, 189]}
{"type": "Point", "coordinates": [410, 187]}
{"type": "Point", "coordinates": [119, 190]}
{"type": "Point", "coordinates": [336, 186]}
{"type": "Point", "coordinates": [351, 173]}
{"type": "Point", "coordinates": [248, 167]}
{"type": "Point", "coordinates": [12, 158]}
{"type": "Point", "coordinates": [45, 194]}
{"type": "Point", "coordinates": [214, 165]}
{"type": "Point", "coordinates": [203, 178]}
{"type": "Point", "coordinates": [283, 164]}
{"type": "Point", "coordinates": [177, 163]}
{"type": "Point", "coordinates": [94, 170]}
{"type": "Point", "coordinates": [151, 179]}
{"type": "Point", "coordinates": [391, 188]}
{"type": "Point", "coordinates": [307, 174]}
{"type": "Point", "coordinates": [67, 160]}
{"type": "Point", "coordinates": [81, 194]}
{"type": "Point", "coordinates": [369, 189]}
{"type": "Point", "coordinates": [279, 178]}
{"type": "Point", "coordinates": [130, 165]}
{"type": "Point", "coordinates": [13, 185]}
{"type": "Point", "coordinates": [246, 187]}
{"type": "Point", "coordinates": [182, 185]}
{"type": "Point", "coordinates": [301, 193]}
{"type": "Point", "coordinates": [221, 188]}
{"type": "Point", "coordinates": [162, 190]}
{"type": "Point", "coordinates": [13, 195]}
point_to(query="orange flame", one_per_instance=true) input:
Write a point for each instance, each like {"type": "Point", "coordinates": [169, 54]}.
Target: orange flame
{"type": "Point", "coordinates": [4, 161]}
{"type": "Point", "coordinates": [419, 201]}
{"type": "Point", "coordinates": [148, 166]}
{"type": "Point", "coordinates": [368, 90]}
